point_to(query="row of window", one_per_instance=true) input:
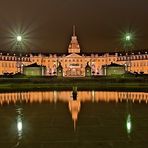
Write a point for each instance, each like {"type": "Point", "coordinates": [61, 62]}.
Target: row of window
{"type": "Point", "coordinates": [133, 57]}
{"type": "Point", "coordinates": [139, 64]}
{"type": "Point", "coordinates": [9, 58]}
{"type": "Point", "coordinates": [105, 60]}
{"type": "Point", "coordinates": [72, 60]}
{"type": "Point", "coordinates": [37, 60]}
{"type": "Point", "coordinates": [77, 60]}
{"type": "Point", "coordinates": [12, 97]}
{"type": "Point", "coordinates": [133, 96]}
{"type": "Point", "coordinates": [10, 65]}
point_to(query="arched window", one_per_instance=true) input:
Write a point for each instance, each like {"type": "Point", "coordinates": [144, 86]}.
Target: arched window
{"type": "Point", "coordinates": [10, 58]}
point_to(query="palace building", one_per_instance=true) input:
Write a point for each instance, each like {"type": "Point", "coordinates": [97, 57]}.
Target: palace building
{"type": "Point", "coordinates": [74, 63]}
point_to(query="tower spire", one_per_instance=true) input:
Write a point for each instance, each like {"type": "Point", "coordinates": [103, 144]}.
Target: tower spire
{"type": "Point", "coordinates": [74, 30]}
{"type": "Point", "coordinates": [74, 45]}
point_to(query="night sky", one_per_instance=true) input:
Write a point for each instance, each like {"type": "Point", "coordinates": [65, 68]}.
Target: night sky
{"type": "Point", "coordinates": [47, 24]}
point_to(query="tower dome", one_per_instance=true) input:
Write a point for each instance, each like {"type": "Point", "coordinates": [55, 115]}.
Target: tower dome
{"type": "Point", "coordinates": [74, 45]}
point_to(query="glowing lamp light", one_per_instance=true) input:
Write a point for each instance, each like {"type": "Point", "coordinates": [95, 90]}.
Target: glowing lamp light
{"type": "Point", "coordinates": [19, 38]}
{"type": "Point", "coordinates": [128, 38]}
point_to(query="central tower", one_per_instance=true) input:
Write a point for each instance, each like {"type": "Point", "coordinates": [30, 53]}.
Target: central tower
{"type": "Point", "coordinates": [74, 45]}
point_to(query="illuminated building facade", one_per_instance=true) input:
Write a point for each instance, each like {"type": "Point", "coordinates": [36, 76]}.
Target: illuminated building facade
{"type": "Point", "coordinates": [74, 63]}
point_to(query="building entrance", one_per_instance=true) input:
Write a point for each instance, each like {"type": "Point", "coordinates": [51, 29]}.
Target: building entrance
{"type": "Point", "coordinates": [74, 72]}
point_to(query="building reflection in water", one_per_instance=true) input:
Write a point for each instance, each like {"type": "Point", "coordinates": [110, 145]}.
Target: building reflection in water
{"type": "Point", "coordinates": [74, 104]}
{"type": "Point", "coordinates": [64, 96]}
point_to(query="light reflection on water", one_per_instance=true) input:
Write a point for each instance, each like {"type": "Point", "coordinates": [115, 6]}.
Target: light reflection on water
{"type": "Point", "coordinates": [104, 108]}
{"type": "Point", "coordinates": [19, 123]}
{"type": "Point", "coordinates": [129, 123]}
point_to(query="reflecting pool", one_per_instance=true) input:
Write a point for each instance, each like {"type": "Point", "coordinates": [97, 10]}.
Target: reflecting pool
{"type": "Point", "coordinates": [63, 119]}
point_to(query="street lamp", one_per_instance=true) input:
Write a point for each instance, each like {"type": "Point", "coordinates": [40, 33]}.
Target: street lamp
{"type": "Point", "coordinates": [128, 36]}
{"type": "Point", "coordinates": [19, 38]}
{"type": "Point", "coordinates": [19, 42]}
{"type": "Point", "coordinates": [128, 41]}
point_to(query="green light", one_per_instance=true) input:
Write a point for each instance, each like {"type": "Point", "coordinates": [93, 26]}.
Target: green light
{"type": "Point", "coordinates": [128, 37]}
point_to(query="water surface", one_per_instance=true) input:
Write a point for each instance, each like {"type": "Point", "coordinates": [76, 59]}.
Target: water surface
{"type": "Point", "coordinates": [54, 119]}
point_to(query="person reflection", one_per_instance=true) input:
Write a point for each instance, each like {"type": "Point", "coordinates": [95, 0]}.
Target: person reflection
{"type": "Point", "coordinates": [74, 93]}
